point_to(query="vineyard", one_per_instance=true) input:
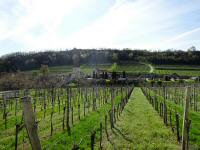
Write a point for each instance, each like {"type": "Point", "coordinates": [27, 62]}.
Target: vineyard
{"type": "Point", "coordinates": [99, 112]}
{"type": "Point", "coordinates": [98, 117]}
{"type": "Point", "coordinates": [140, 127]}
{"type": "Point", "coordinates": [190, 70]}
{"type": "Point", "coordinates": [134, 68]}
{"type": "Point", "coordinates": [178, 69]}
{"type": "Point", "coordinates": [99, 75]}
{"type": "Point", "coordinates": [130, 68]}
{"type": "Point", "coordinates": [63, 117]}
{"type": "Point", "coordinates": [178, 105]}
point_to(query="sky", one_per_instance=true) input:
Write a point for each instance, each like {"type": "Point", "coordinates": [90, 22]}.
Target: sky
{"type": "Point", "coordinates": [35, 25]}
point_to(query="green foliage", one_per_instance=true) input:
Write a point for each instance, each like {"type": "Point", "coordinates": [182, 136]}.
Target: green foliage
{"type": "Point", "coordinates": [32, 61]}
{"type": "Point", "coordinates": [190, 70]}
{"type": "Point", "coordinates": [114, 67]}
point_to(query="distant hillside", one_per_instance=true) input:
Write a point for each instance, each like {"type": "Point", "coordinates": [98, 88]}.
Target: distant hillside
{"type": "Point", "coordinates": [30, 61]}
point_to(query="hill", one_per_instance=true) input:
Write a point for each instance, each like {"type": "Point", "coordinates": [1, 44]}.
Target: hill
{"type": "Point", "coordinates": [31, 61]}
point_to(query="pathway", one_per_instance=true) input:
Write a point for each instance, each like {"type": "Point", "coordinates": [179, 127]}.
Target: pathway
{"type": "Point", "coordinates": [140, 127]}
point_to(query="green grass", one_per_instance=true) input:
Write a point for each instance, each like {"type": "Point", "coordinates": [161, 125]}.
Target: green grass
{"type": "Point", "coordinates": [80, 132]}
{"type": "Point", "coordinates": [68, 69]}
{"type": "Point", "coordinates": [140, 127]}
{"type": "Point", "coordinates": [190, 70]}
{"type": "Point", "coordinates": [176, 107]}
{"type": "Point", "coordinates": [88, 69]}
{"type": "Point", "coordinates": [137, 68]}
{"type": "Point", "coordinates": [56, 69]}
{"type": "Point", "coordinates": [179, 69]}
{"type": "Point", "coordinates": [7, 136]}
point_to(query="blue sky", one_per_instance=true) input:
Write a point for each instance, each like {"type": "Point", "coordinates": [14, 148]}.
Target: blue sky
{"type": "Point", "coordinates": [34, 25]}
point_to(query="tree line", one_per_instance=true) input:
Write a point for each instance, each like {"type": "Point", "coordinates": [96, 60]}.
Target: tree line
{"type": "Point", "coordinates": [29, 61]}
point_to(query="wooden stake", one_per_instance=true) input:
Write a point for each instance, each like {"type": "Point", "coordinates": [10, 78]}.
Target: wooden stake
{"type": "Point", "coordinates": [93, 139]}
{"type": "Point", "coordinates": [68, 110]}
{"type": "Point", "coordinates": [112, 108]}
{"type": "Point", "coordinates": [63, 124]}
{"type": "Point", "coordinates": [30, 124]}
{"type": "Point", "coordinates": [186, 119]}
{"type": "Point", "coordinates": [177, 127]}
{"type": "Point", "coordinates": [101, 128]}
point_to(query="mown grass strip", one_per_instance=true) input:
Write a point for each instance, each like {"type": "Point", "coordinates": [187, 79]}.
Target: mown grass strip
{"type": "Point", "coordinates": [140, 127]}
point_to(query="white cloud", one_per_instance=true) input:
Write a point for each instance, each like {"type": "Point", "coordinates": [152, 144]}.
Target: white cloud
{"type": "Point", "coordinates": [106, 30]}
{"type": "Point", "coordinates": [128, 23]}
{"type": "Point", "coordinates": [185, 39]}
{"type": "Point", "coordinates": [47, 14]}
{"type": "Point", "coordinates": [182, 35]}
{"type": "Point", "coordinates": [134, 24]}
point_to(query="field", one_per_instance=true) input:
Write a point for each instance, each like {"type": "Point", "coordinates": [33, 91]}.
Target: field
{"type": "Point", "coordinates": [78, 117]}
{"type": "Point", "coordinates": [137, 68]}
{"type": "Point", "coordinates": [170, 103]}
{"type": "Point", "coordinates": [63, 117]}
{"type": "Point", "coordinates": [108, 116]}
{"type": "Point", "coordinates": [88, 69]}
{"type": "Point", "coordinates": [189, 70]}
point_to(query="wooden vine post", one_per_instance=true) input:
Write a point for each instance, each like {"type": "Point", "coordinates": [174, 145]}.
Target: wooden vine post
{"type": "Point", "coordinates": [18, 129]}
{"type": "Point", "coordinates": [68, 110]}
{"type": "Point", "coordinates": [63, 124]}
{"type": "Point", "coordinates": [101, 136]}
{"type": "Point", "coordinates": [93, 139]}
{"type": "Point", "coordinates": [106, 128]}
{"type": "Point", "coordinates": [112, 108]}
{"type": "Point", "coordinates": [30, 124]}
{"type": "Point", "coordinates": [85, 100]}
{"type": "Point", "coordinates": [164, 105]}
{"type": "Point", "coordinates": [177, 127]}
{"type": "Point", "coordinates": [51, 123]}
{"type": "Point", "coordinates": [185, 140]}
{"type": "Point", "coordinates": [79, 106]}
{"type": "Point", "coordinates": [5, 113]}
{"type": "Point", "coordinates": [93, 99]}
{"type": "Point", "coordinates": [195, 97]}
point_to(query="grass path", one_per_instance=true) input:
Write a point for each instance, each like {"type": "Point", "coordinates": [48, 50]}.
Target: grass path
{"type": "Point", "coordinates": [140, 127]}
{"type": "Point", "coordinates": [151, 68]}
